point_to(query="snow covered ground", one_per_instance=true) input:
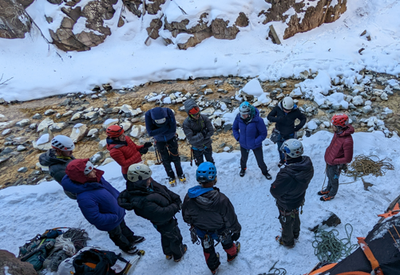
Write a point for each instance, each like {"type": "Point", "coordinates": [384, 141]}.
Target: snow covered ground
{"type": "Point", "coordinates": [28, 210]}
{"type": "Point", "coordinates": [37, 69]}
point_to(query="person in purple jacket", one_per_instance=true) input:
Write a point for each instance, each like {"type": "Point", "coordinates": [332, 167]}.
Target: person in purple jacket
{"type": "Point", "coordinates": [250, 130]}
{"type": "Point", "coordinates": [98, 202]}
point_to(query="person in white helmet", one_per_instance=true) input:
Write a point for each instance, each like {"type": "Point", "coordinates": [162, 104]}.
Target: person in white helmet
{"type": "Point", "coordinates": [58, 158]}
{"type": "Point", "coordinates": [284, 115]}
{"type": "Point", "coordinates": [289, 189]}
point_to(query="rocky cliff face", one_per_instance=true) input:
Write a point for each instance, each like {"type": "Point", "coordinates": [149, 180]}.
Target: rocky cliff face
{"type": "Point", "coordinates": [299, 17]}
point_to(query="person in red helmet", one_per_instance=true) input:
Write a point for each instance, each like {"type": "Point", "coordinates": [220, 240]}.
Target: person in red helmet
{"type": "Point", "coordinates": [338, 154]}
{"type": "Point", "coordinates": [123, 150]}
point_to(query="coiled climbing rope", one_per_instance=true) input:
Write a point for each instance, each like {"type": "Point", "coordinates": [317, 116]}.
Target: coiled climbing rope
{"type": "Point", "coordinates": [328, 248]}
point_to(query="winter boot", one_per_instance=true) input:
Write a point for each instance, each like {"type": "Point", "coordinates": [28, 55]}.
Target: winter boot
{"type": "Point", "coordinates": [237, 246]}
{"type": "Point", "coordinates": [242, 172]}
{"type": "Point", "coordinates": [326, 198]}
{"type": "Point", "coordinates": [132, 250]}
{"type": "Point", "coordinates": [323, 192]}
{"type": "Point", "coordinates": [279, 240]}
{"type": "Point", "coordinates": [168, 257]}
{"type": "Point", "coordinates": [267, 176]}
{"type": "Point", "coordinates": [137, 239]}
{"type": "Point", "coordinates": [182, 178]}
{"type": "Point", "coordinates": [172, 182]}
{"type": "Point", "coordinates": [184, 251]}
{"type": "Point", "coordinates": [215, 271]}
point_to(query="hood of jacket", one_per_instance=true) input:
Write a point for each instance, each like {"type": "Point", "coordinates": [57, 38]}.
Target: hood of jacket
{"type": "Point", "coordinates": [205, 198]}
{"type": "Point", "coordinates": [300, 170]}
{"type": "Point", "coordinates": [158, 113]}
{"type": "Point", "coordinates": [50, 158]}
{"type": "Point", "coordinates": [77, 188]}
{"type": "Point", "coordinates": [347, 131]}
{"type": "Point", "coordinates": [75, 171]}
{"type": "Point", "coordinates": [189, 105]}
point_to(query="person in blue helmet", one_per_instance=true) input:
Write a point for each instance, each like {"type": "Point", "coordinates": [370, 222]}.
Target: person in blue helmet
{"type": "Point", "coordinates": [250, 130]}
{"type": "Point", "coordinates": [161, 125]}
{"type": "Point", "coordinates": [211, 216]}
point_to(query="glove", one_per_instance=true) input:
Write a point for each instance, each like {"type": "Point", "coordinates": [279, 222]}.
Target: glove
{"type": "Point", "coordinates": [235, 236]}
{"type": "Point", "coordinates": [143, 150]}
{"type": "Point", "coordinates": [343, 167]}
{"type": "Point", "coordinates": [123, 200]}
{"type": "Point", "coordinates": [147, 144]}
{"type": "Point", "coordinates": [204, 132]}
{"type": "Point", "coordinates": [175, 207]}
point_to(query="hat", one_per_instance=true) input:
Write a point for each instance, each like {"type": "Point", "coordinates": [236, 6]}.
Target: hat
{"type": "Point", "coordinates": [78, 169]}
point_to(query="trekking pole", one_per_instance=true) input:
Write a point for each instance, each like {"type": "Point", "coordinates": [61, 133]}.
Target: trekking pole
{"type": "Point", "coordinates": [191, 156]}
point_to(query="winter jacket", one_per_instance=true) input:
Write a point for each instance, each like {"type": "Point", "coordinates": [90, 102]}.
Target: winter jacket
{"type": "Point", "coordinates": [291, 183]}
{"type": "Point", "coordinates": [56, 164]}
{"type": "Point", "coordinates": [124, 154]}
{"type": "Point", "coordinates": [210, 210]}
{"type": "Point", "coordinates": [157, 203]}
{"type": "Point", "coordinates": [340, 151]}
{"type": "Point", "coordinates": [162, 132]}
{"type": "Point", "coordinates": [285, 121]}
{"type": "Point", "coordinates": [97, 200]}
{"type": "Point", "coordinates": [197, 131]}
{"type": "Point", "coordinates": [250, 135]}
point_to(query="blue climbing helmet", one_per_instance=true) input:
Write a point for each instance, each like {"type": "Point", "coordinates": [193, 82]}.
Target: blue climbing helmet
{"type": "Point", "coordinates": [206, 172]}
{"type": "Point", "coordinates": [246, 109]}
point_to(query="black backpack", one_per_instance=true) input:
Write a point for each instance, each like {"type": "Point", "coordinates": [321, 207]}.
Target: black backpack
{"type": "Point", "coordinates": [96, 262]}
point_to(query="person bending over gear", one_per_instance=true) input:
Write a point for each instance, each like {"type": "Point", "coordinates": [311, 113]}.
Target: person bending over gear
{"type": "Point", "coordinates": [97, 200]}
{"type": "Point", "coordinates": [58, 158]}
{"type": "Point", "coordinates": [338, 154]}
{"type": "Point", "coordinates": [161, 124]}
{"type": "Point", "coordinates": [198, 130]}
{"type": "Point", "coordinates": [211, 216]}
{"type": "Point", "coordinates": [123, 150]}
{"type": "Point", "coordinates": [284, 115]}
{"type": "Point", "coordinates": [289, 189]}
{"type": "Point", "coordinates": [249, 129]}
{"type": "Point", "coordinates": [154, 202]}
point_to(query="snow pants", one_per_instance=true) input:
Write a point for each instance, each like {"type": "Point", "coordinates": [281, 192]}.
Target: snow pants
{"type": "Point", "coordinates": [122, 236]}
{"type": "Point", "coordinates": [198, 155]}
{"type": "Point", "coordinates": [333, 173]}
{"type": "Point", "coordinates": [258, 153]}
{"type": "Point", "coordinates": [169, 153]}
{"type": "Point", "coordinates": [207, 242]}
{"type": "Point", "coordinates": [290, 222]}
{"type": "Point", "coordinates": [171, 239]}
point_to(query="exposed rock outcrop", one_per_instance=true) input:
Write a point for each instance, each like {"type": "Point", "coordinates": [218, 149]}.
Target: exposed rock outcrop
{"type": "Point", "coordinates": [9, 264]}
{"type": "Point", "coordinates": [14, 22]}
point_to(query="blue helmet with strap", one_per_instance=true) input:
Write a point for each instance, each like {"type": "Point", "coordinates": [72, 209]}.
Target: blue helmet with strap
{"type": "Point", "coordinates": [206, 172]}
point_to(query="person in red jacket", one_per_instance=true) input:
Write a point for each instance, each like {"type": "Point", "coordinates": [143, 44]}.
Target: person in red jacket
{"type": "Point", "coordinates": [123, 150]}
{"type": "Point", "coordinates": [337, 155]}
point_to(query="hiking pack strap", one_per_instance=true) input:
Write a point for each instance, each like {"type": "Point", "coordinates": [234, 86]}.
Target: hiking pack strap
{"type": "Point", "coordinates": [370, 256]}
{"type": "Point", "coordinates": [322, 269]}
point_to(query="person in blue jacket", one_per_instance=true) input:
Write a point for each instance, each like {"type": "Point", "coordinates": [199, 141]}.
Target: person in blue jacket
{"type": "Point", "coordinates": [250, 130]}
{"type": "Point", "coordinates": [161, 125]}
{"type": "Point", "coordinates": [98, 201]}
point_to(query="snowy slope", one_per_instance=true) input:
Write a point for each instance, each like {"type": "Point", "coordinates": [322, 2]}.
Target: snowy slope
{"type": "Point", "coordinates": [38, 69]}
{"type": "Point", "coordinates": [28, 210]}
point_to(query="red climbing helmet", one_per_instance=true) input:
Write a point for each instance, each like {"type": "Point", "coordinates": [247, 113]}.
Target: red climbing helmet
{"type": "Point", "coordinates": [340, 120]}
{"type": "Point", "coordinates": [114, 131]}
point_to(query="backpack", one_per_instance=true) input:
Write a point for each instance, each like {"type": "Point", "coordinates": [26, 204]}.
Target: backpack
{"type": "Point", "coordinates": [96, 262]}
{"type": "Point", "coordinates": [36, 250]}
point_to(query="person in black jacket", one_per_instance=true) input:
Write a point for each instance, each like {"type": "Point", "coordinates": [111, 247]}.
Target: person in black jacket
{"type": "Point", "coordinates": [58, 158]}
{"type": "Point", "coordinates": [198, 130]}
{"type": "Point", "coordinates": [284, 115]}
{"type": "Point", "coordinates": [211, 216]}
{"type": "Point", "coordinates": [156, 203]}
{"type": "Point", "coordinates": [289, 189]}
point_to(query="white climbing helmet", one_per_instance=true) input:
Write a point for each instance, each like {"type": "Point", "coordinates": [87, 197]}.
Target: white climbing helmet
{"type": "Point", "coordinates": [288, 103]}
{"type": "Point", "coordinates": [63, 143]}
{"type": "Point", "coordinates": [138, 171]}
{"type": "Point", "coordinates": [293, 148]}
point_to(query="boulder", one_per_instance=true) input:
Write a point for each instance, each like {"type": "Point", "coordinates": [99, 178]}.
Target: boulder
{"type": "Point", "coordinates": [78, 132]}
{"type": "Point", "coordinates": [9, 264]}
